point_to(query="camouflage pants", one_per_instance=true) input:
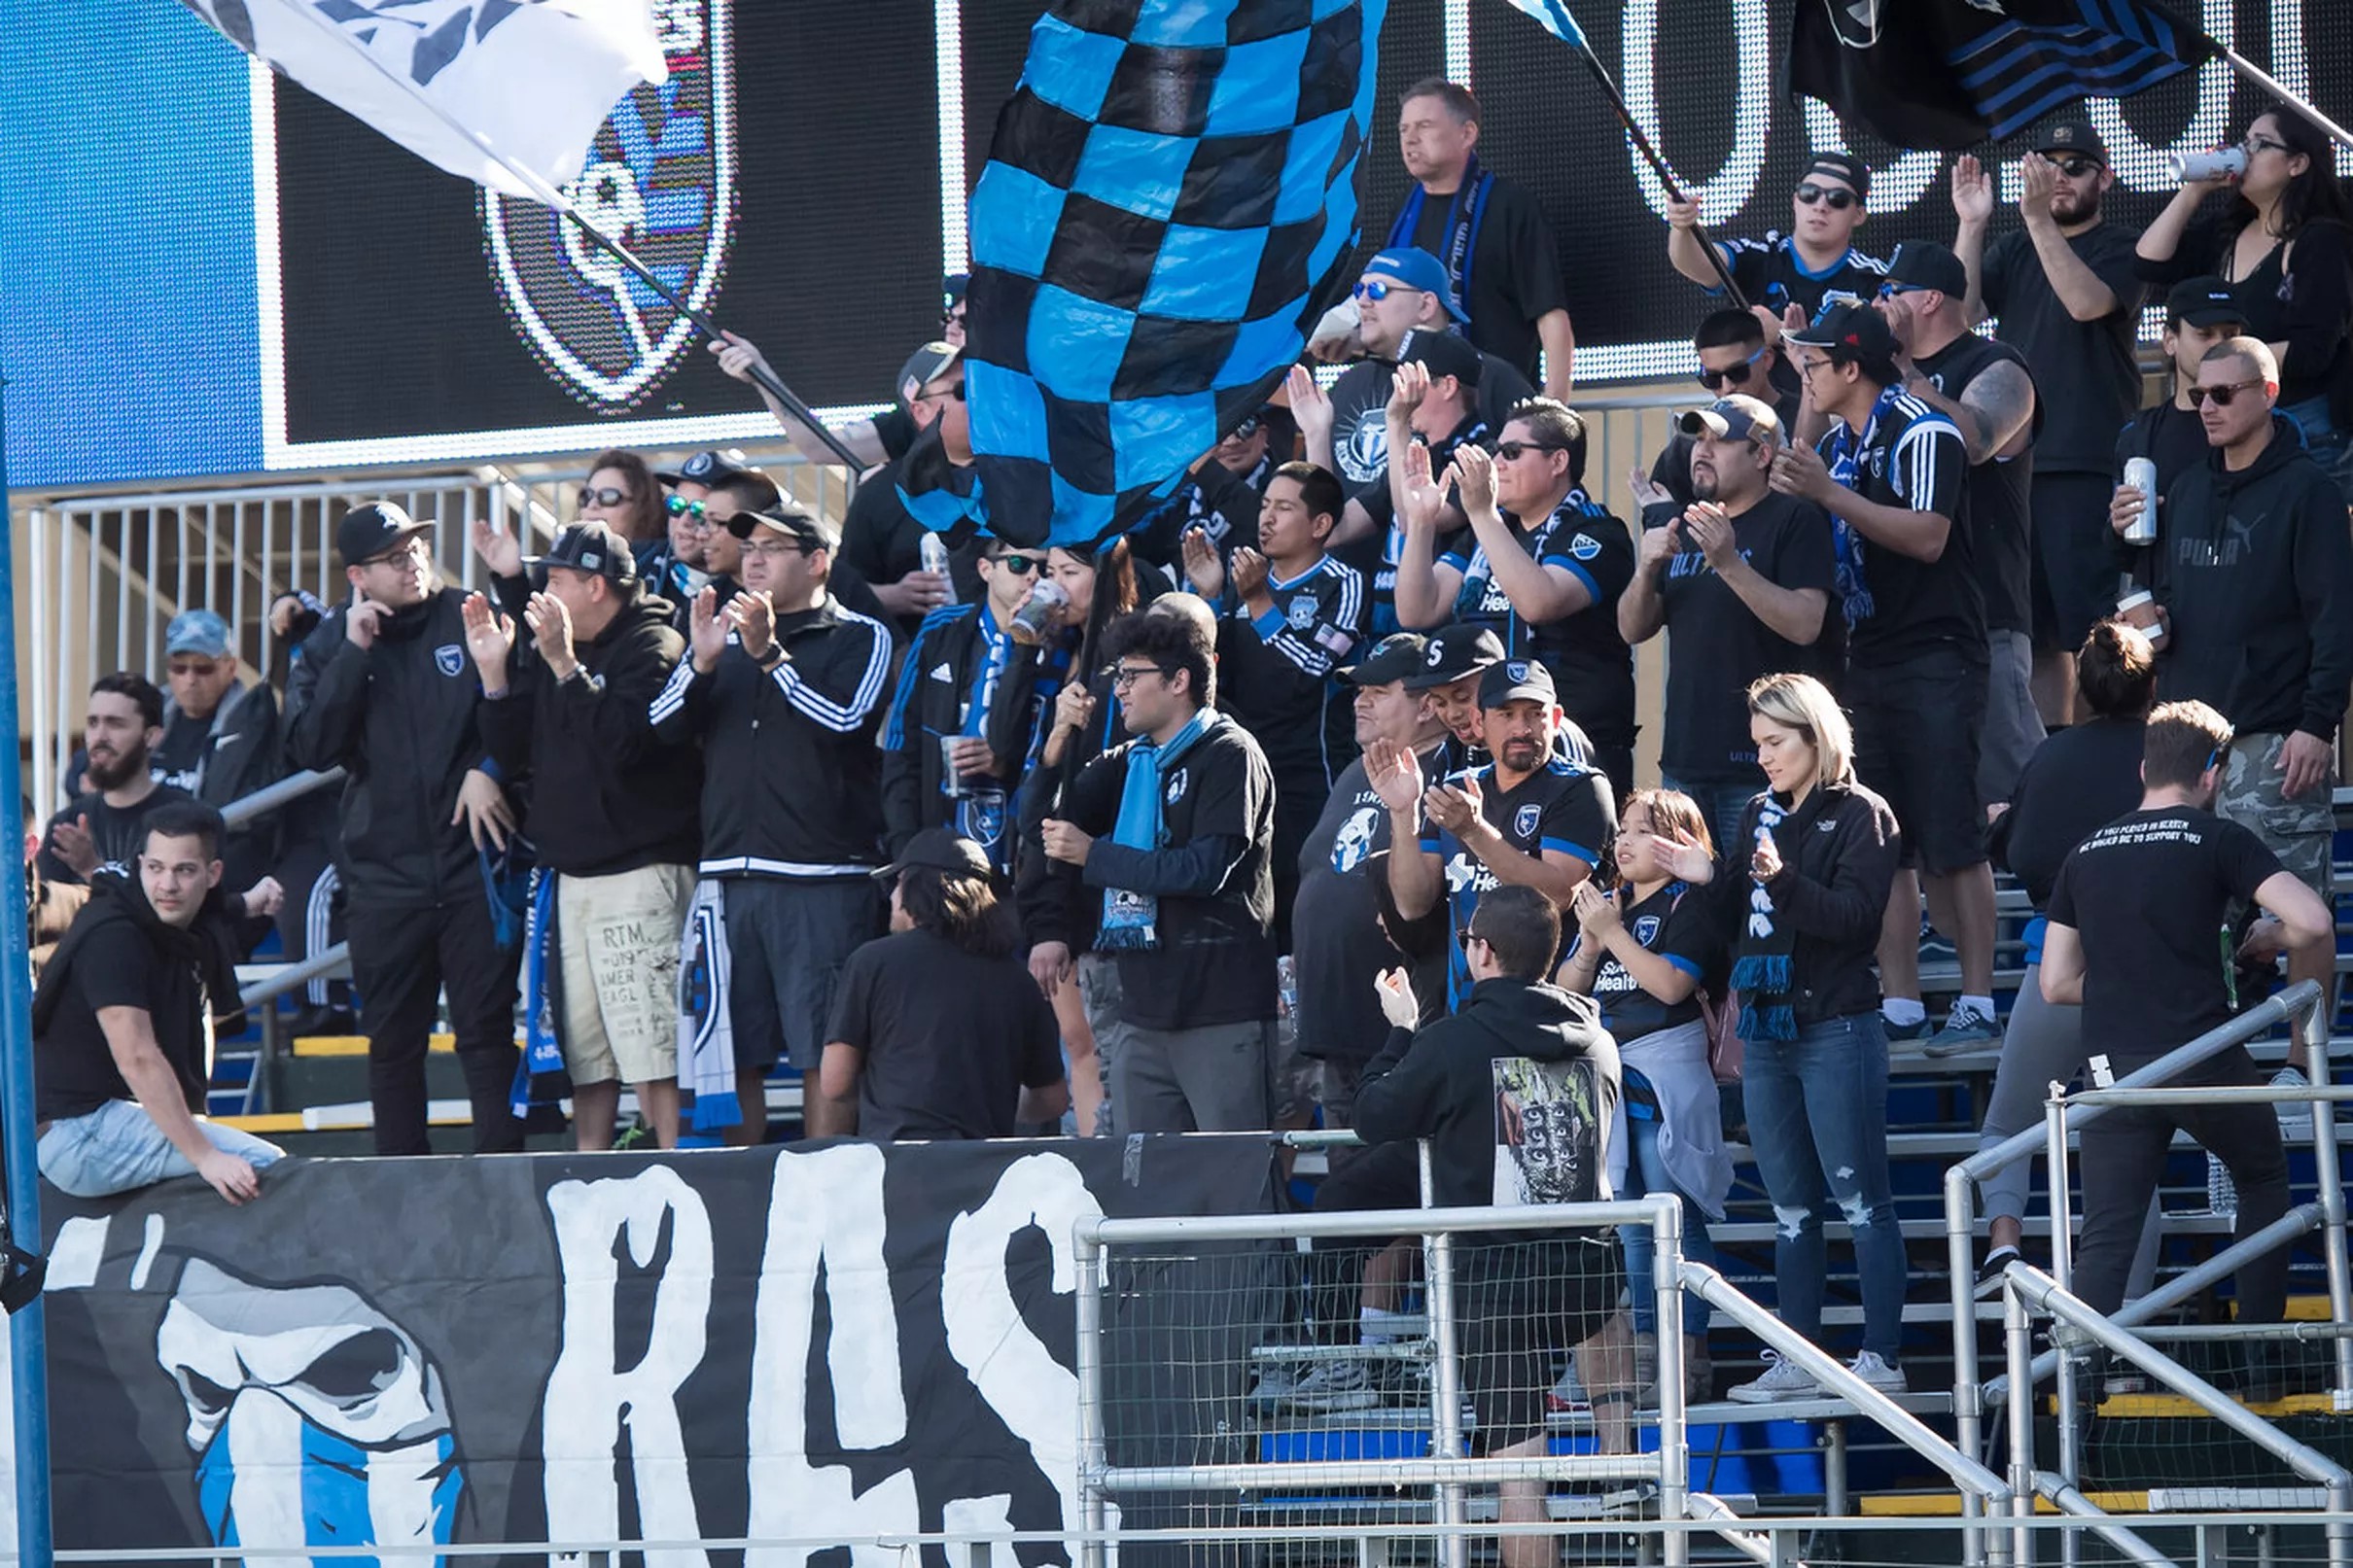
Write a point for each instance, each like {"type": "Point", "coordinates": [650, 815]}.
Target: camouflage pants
{"type": "Point", "coordinates": [2299, 831]}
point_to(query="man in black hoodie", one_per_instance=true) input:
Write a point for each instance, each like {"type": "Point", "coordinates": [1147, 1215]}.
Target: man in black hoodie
{"type": "Point", "coordinates": [615, 820]}
{"type": "Point", "coordinates": [1522, 1079]}
{"type": "Point", "coordinates": [2254, 571]}
{"type": "Point", "coordinates": [123, 1025]}
{"type": "Point", "coordinates": [385, 692]}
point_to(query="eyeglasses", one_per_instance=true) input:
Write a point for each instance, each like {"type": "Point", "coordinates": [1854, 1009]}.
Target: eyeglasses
{"type": "Point", "coordinates": [1019, 564]}
{"type": "Point", "coordinates": [1888, 291]}
{"type": "Point", "coordinates": [2075, 168]}
{"type": "Point", "coordinates": [2221, 395]}
{"type": "Point", "coordinates": [771, 552]}
{"type": "Point", "coordinates": [1714, 380]}
{"type": "Point", "coordinates": [1514, 451]}
{"type": "Point", "coordinates": [609, 496]}
{"type": "Point", "coordinates": [1378, 292]}
{"type": "Point", "coordinates": [1466, 937]}
{"type": "Point", "coordinates": [681, 506]}
{"type": "Point", "coordinates": [2264, 144]}
{"type": "Point", "coordinates": [418, 548]}
{"type": "Point", "coordinates": [954, 390]}
{"type": "Point", "coordinates": [1124, 675]}
{"type": "Point", "coordinates": [1840, 200]}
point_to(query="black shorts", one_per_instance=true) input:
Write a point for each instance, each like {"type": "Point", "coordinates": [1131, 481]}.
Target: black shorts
{"type": "Point", "coordinates": [2075, 563]}
{"type": "Point", "coordinates": [1520, 1307]}
{"type": "Point", "coordinates": [787, 938]}
{"type": "Point", "coordinates": [1916, 728]}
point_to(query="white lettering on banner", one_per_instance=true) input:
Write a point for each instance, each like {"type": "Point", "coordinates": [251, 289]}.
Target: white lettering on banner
{"type": "Point", "coordinates": [1722, 194]}
{"type": "Point", "coordinates": [825, 1208]}
{"type": "Point", "coordinates": [1032, 1393]}
{"type": "Point", "coordinates": [588, 1398]}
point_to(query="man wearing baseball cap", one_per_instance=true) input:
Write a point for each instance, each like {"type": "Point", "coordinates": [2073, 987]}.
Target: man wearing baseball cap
{"type": "Point", "coordinates": [937, 1030]}
{"type": "Point", "coordinates": [2201, 314]}
{"type": "Point", "coordinates": [785, 687]}
{"type": "Point", "coordinates": [1742, 581]}
{"type": "Point", "coordinates": [2065, 289]}
{"type": "Point", "coordinates": [1890, 472]}
{"type": "Point", "coordinates": [881, 540]}
{"type": "Point", "coordinates": [1813, 266]}
{"type": "Point", "coordinates": [568, 673]}
{"type": "Point", "coordinates": [1526, 818]}
{"type": "Point", "coordinates": [384, 690]}
{"type": "Point", "coordinates": [221, 738]}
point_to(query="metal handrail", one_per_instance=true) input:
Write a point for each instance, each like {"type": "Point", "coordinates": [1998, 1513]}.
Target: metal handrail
{"type": "Point", "coordinates": [330, 963]}
{"type": "Point", "coordinates": [272, 797]}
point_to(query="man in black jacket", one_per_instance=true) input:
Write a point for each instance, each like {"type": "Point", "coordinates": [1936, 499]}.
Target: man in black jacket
{"type": "Point", "coordinates": [1523, 1078]}
{"type": "Point", "coordinates": [1175, 829]}
{"type": "Point", "coordinates": [385, 692]}
{"type": "Point", "coordinates": [614, 817]}
{"type": "Point", "coordinates": [2253, 570]}
{"type": "Point", "coordinates": [219, 739]}
{"type": "Point", "coordinates": [785, 687]}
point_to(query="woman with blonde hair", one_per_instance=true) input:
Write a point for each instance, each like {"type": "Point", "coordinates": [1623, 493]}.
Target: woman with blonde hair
{"type": "Point", "coordinates": [1799, 897]}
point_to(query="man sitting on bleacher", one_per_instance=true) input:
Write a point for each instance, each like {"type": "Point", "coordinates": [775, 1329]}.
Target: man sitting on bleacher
{"type": "Point", "coordinates": [123, 1022]}
{"type": "Point", "coordinates": [2132, 940]}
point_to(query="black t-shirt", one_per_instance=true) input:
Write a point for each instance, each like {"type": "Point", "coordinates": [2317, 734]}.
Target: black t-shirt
{"type": "Point", "coordinates": [1680, 930]}
{"type": "Point", "coordinates": [178, 759]}
{"type": "Point", "coordinates": [2083, 778]}
{"type": "Point", "coordinates": [1994, 504]}
{"type": "Point", "coordinates": [951, 1038]}
{"type": "Point", "coordinates": [117, 965]}
{"type": "Point", "coordinates": [1360, 416]}
{"type": "Point", "coordinates": [2084, 369]}
{"type": "Point", "coordinates": [881, 540]}
{"type": "Point", "coordinates": [1337, 941]}
{"type": "Point", "coordinates": [1716, 645]}
{"type": "Point", "coordinates": [118, 832]}
{"type": "Point", "coordinates": [2173, 438]}
{"type": "Point", "coordinates": [1770, 273]}
{"type": "Point", "coordinates": [1899, 606]}
{"type": "Point", "coordinates": [1558, 806]}
{"type": "Point", "coordinates": [1514, 269]}
{"type": "Point", "coordinates": [1275, 671]}
{"type": "Point", "coordinates": [2149, 894]}
{"type": "Point", "coordinates": [2300, 293]}
{"type": "Point", "coordinates": [1589, 660]}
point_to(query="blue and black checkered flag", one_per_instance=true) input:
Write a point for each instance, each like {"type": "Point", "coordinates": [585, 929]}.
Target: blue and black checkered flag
{"type": "Point", "coordinates": [1170, 202]}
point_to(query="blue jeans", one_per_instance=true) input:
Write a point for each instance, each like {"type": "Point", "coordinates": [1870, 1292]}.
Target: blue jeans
{"type": "Point", "coordinates": [1721, 802]}
{"type": "Point", "coordinates": [2330, 443]}
{"type": "Point", "coordinates": [118, 1148]}
{"type": "Point", "coordinates": [1817, 1123]}
{"type": "Point", "coordinates": [1646, 1173]}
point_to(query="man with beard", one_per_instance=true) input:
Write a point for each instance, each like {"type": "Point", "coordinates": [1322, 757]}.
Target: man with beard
{"type": "Point", "coordinates": [2065, 289]}
{"type": "Point", "coordinates": [106, 824]}
{"type": "Point", "coordinates": [384, 690]}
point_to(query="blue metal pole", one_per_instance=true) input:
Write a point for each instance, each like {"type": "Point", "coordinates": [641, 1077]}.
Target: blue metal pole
{"type": "Point", "coordinates": [28, 1330]}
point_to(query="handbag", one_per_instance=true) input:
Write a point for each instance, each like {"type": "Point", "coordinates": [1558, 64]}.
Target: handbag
{"type": "Point", "coordinates": [1725, 1049]}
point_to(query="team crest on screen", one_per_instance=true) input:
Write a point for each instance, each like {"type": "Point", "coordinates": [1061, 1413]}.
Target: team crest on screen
{"type": "Point", "coordinates": [660, 178]}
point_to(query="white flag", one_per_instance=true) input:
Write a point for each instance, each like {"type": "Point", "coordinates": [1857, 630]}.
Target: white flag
{"type": "Point", "coordinates": [533, 79]}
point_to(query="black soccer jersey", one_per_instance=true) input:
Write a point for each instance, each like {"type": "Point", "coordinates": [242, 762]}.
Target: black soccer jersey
{"type": "Point", "coordinates": [1905, 455]}
{"type": "Point", "coordinates": [1558, 806]}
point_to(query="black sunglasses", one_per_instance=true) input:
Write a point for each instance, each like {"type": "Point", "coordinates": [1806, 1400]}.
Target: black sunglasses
{"type": "Point", "coordinates": [1840, 200]}
{"type": "Point", "coordinates": [2075, 168]}
{"type": "Point", "coordinates": [609, 496]}
{"type": "Point", "coordinates": [2221, 395]}
{"type": "Point", "coordinates": [1516, 450]}
{"type": "Point", "coordinates": [956, 392]}
{"type": "Point", "coordinates": [1714, 380]}
{"type": "Point", "coordinates": [1018, 563]}
{"type": "Point", "coordinates": [1246, 430]}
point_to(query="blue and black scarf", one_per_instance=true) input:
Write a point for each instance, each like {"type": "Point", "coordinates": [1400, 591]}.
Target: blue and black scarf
{"type": "Point", "coordinates": [1131, 920]}
{"type": "Point", "coordinates": [1465, 215]}
{"type": "Point", "coordinates": [1843, 455]}
{"type": "Point", "coordinates": [1761, 968]}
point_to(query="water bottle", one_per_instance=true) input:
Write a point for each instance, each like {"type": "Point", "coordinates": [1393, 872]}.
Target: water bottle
{"type": "Point", "coordinates": [934, 552]}
{"type": "Point", "coordinates": [2215, 163]}
{"type": "Point", "coordinates": [2295, 1124]}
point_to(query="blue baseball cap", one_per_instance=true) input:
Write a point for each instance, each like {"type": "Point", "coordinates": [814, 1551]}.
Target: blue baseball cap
{"type": "Point", "coordinates": [1416, 270]}
{"type": "Point", "coordinates": [196, 631]}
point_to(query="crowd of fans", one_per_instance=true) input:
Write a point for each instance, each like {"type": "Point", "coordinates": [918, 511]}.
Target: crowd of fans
{"type": "Point", "coordinates": [1194, 830]}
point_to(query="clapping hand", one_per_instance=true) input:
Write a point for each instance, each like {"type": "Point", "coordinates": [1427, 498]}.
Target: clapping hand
{"type": "Point", "coordinates": [1394, 773]}
{"type": "Point", "coordinates": [1972, 189]}
{"type": "Point", "coordinates": [1454, 807]}
{"type": "Point", "coordinates": [1473, 472]}
{"type": "Point", "coordinates": [499, 549]}
{"type": "Point", "coordinates": [706, 631]}
{"type": "Point", "coordinates": [1202, 567]}
{"type": "Point", "coordinates": [1596, 913]}
{"type": "Point", "coordinates": [489, 638]}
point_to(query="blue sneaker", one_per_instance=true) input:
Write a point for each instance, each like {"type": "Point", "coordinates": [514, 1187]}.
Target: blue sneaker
{"type": "Point", "coordinates": [1965, 1030]}
{"type": "Point", "coordinates": [1903, 1033]}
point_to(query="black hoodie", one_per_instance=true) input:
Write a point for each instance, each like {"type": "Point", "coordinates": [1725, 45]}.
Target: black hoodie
{"type": "Point", "coordinates": [609, 796]}
{"type": "Point", "coordinates": [120, 953]}
{"type": "Point", "coordinates": [1440, 1083]}
{"type": "Point", "coordinates": [2256, 569]}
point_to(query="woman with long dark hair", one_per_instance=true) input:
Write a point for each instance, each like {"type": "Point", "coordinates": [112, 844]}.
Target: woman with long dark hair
{"type": "Point", "coordinates": [2285, 245]}
{"type": "Point", "coordinates": [623, 495]}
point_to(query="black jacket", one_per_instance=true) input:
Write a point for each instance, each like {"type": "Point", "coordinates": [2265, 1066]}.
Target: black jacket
{"type": "Point", "coordinates": [607, 796]}
{"type": "Point", "coordinates": [243, 752]}
{"type": "Point", "coordinates": [1839, 854]}
{"type": "Point", "coordinates": [1055, 907]}
{"type": "Point", "coordinates": [941, 676]}
{"type": "Point", "coordinates": [790, 781]}
{"type": "Point", "coordinates": [1439, 1083]}
{"type": "Point", "coordinates": [2256, 569]}
{"type": "Point", "coordinates": [399, 716]}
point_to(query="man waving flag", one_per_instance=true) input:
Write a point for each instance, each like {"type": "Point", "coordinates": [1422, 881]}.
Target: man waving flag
{"type": "Point", "coordinates": [1170, 199]}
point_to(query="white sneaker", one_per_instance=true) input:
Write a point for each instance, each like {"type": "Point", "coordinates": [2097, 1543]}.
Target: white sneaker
{"type": "Point", "coordinates": [1782, 1379]}
{"type": "Point", "coordinates": [1275, 1382]}
{"type": "Point", "coordinates": [1878, 1374]}
{"type": "Point", "coordinates": [1334, 1386]}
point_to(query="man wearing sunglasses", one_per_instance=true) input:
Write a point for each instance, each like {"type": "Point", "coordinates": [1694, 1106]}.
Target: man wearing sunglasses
{"type": "Point", "coordinates": [1815, 263]}
{"type": "Point", "coordinates": [882, 541]}
{"type": "Point", "coordinates": [2253, 570]}
{"type": "Point", "coordinates": [2063, 286]}
{"type": "Point", "coordinates": [1735, 359]}
{"type": "Point", "coordinates": [2200, 314]}
{"type": "Point", "coordinates": [958, 732]}
{"type": "Point", "coordinates": [672, 567]}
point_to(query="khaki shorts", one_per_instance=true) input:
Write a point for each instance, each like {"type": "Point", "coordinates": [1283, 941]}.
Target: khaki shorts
{"type": "Point", "coordinates": [619, 936]}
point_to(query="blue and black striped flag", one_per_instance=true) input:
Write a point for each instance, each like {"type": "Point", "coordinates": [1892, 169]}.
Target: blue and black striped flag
{"type": "Point", "coordinates": [1954, 73]}
{"type": "Point", "coordinates": [1170, 203]}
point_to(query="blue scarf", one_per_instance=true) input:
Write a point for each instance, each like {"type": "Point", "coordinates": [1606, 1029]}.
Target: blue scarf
{"type": "Point", "coordinates": [992, 672]}
{"type": "Point", "coordinates": [1463, 220]}
{"type": "Point", "coordinates": [1761, 967]}
{"type": "Point", "coordinates": [1843, 458]}
{"type": "Point", "coordinates": [1131, 920]}
{"type": "Point", "coordinates": [541, 1077]}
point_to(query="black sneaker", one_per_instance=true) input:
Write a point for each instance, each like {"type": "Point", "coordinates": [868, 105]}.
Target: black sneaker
{"type": "Point", "coordinates": [1989, 1272]}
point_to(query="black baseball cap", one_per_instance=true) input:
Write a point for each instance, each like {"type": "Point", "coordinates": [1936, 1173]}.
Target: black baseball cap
{"type": "Point", "coordinates": [593, 548]}
{"type": "Point", "coordinates": [1853, 330]}
{"type": "Point", "coordinates": [1452, 652]}
{"type": "Point", "coordinates": [924, 366]}
{"type": "Point", "coordinates": [2204, 302]}
{"type": "Point", "coordinates": [708, 469]}
{"type": "Point", "coordinates": [1842, 166]}
{"type": "Point", "coordinates": [2074, 135]}
{"type": "Point", "coordinates": [800, 525]}
{"type": "Point", "coordinates": [1738, 417]}
{"type": "Point", "coordinates": [376, 527]}
{"type": "Point", "coordinates": [1443, 353]}
{"type": "Point", "coordinates": [1515, 679]}
{"type": "Point", "coordinates": [1923, 264]}
{"type": "Point", "coordinates": [1393, 658]}
{"type": "Point", "coordinates": [941, 851]}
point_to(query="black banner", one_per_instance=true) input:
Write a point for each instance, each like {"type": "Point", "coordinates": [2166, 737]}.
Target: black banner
{"type": "Point", "coordinates": [826, 1341]}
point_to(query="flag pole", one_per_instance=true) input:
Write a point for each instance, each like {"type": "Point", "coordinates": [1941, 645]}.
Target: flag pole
{"type": "Point", "coordinates": [2248, 71]}
{"type": "Point", "coordinates": [549, 196]}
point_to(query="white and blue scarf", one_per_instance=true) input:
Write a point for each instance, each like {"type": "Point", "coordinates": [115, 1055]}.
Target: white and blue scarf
{"type": "Point", "coordinates": [1761, 969]}
{"type": "Point", "coordinates": [1131, 920]}
{"type": "Point", "coordinates": [1844, 456]}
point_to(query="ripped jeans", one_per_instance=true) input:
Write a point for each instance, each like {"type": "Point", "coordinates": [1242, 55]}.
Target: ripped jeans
{"type": "Point", "coordinates": [1817, 1125]}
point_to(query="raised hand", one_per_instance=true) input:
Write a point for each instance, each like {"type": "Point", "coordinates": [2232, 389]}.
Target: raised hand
{"type": "Point", "coordinates": [362, 619]}
{"type": "Point", "coordinates": [1249, 572]}
{"type": "Point", "coordinates": [1800, 472]}
{"type": "Point", "coordinates": [499, 549]}
{"type": "Point", "coordinates": [1683, 215]}
{"type": "Point", "coordinates": [706, 631]}
{"type": "Point", "coordinates": [1473, 473]}
{"type": "Point", "coordinates": [1972, 189]}
{"type": "Point", "coordinates": [551, 621]}
{"type": "Point", "coordinates": [1710, 529]}
{"type": "Point", "coordinates": [1406, 390]}
{"type": "Point", "coordinates": [489, 638]}
{"type": "Point", "coordinates": [736, 354]}
{"type": "Point", "coordinates": [1394, 773]}
{"type": "Point", "coordinates": [2041, 184]}
{"type": "Point", "coordinates": [1425, 498]}
{"type": "Point", "coordinates": [1310, 407]}
{"type": "Point", "coordinates": [751, 615]}
{"type": "Point", "coordinates": [1202, 567]}
{"type": "Point", "coordinates": [1596, 913]}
